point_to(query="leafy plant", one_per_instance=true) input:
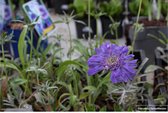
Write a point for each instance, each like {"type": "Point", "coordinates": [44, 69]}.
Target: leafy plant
{"type": "Point", "coordinates": [81, 6]}
{"type": "Point", "coordinates": [163, 40]}
{"type": "Point", "coordinates": [149, 8]}
{"type": "Point", "coordinates": [113, 8]}
{"type": "Point", "coordinates": [164, 8]}
{"type": "Point", "coordinates": [134, 6]}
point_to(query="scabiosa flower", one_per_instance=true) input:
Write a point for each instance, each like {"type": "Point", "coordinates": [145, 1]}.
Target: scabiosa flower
{"type": "Point", "coordinates": [116, 59]}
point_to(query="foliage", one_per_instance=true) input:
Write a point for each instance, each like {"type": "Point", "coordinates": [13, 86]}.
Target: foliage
{"type": "Point", "coordinates": [43, 81]}
{"type": "Point", "coordinates": [81, 6]}
{"type": "Point", "coordinates": [113, 8]}
{"type": "Point", "coordinates": [163, 40]}
{"type": "Point", "coordinates": [134, 6]}
{"type": "Point", "coordinates": [164, 5]}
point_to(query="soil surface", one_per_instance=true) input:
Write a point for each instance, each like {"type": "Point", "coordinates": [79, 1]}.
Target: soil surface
{"type": "Point", "coordinates": [146, 22]}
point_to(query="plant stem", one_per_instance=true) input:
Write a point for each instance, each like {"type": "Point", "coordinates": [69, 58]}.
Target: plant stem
{"type": "Point", "coordinates": [139, 11]}
{"type": "Point", "coordinates": [89, 25]}
{"type": "Point", "coordinates": [159, 9]}
{"type": "Point", "coordinates": [167, 17]}
{"type": "Point", "coordinates": [38, 79]}
{"type": "Point", "coordinates": [4, 60]}
{"type": "Point", "coordinates": [70, 43]}
{"type": "Point", "coordinates": [115, 29]}
{"type": "Point", "coordinates": [1, 97]}
{"type": "Point", "coordinates": [75, 84]}
{"type": "Point", "coordinates": [116, 35]}
{"type": "Point", "coordinates": [31, 46]}
{"type": "Point", "coordinates": [135, 30]}
{"type": "Point", "coordinates": [88, 78]}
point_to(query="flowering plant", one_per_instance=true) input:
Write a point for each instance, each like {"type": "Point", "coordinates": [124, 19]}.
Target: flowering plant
{"type": "Point", "coordinates": [116, 59]}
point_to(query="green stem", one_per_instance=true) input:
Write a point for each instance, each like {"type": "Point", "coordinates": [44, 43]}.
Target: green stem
{"type": "Point", "coordinates": [38, 79]}
{"type": "Point", "coordinates": [97, 33]}
{"type": "Point", "coordinates": [135, 30]}
{"type": "Point", "coordinates": [167, 16]}
{"type": "Point", "coordinates": [27, 90]}
{"type": "Point", "coordinates": [3, 54]}
{"type": "Point", "coordinates": [88, 78]}
{"type": "Point", "coordinates": [116, 35]}
{"type": "Point", "coordinates": [115, 29]}
{"type": "Point", "coordinates": [4, 60]}
{"type": "Point", "coordinates": [31, 48]}
{"type": "Point", "coordinates": [69, 31]}
{"type": "Point", "coordinates": [97, 28]}
{"type": "Point", "coordinates": [159, 9]}
{"type": "Point", "coordinates": [75, 84]}
{"type": "Point", "coordinates": [89, 25]}
{"type": "Point", "coordinates": [1, 97]}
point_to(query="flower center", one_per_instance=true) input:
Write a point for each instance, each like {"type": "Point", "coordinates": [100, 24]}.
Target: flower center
{"type": "Point", "coordinates": [112, 62]}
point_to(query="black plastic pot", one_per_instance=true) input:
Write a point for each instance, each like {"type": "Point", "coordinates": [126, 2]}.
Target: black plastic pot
{"type": "Point", "coordinates": [146, 43]}
{"type": "Point", "coordinates": [99, 1]}
{"type": "Point", "coordinates": [140, 56]}
{"type": "Point", "coordinates": [61, 6]}
{"type": "Point", "coordinates": [106, 22]}
{"type": "Point", "coordinates": [83, 30]}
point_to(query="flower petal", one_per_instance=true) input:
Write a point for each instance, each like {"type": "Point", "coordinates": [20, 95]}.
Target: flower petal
{"type": "Point", "coordinates": [115, 76]}
{"type": "Point", "coordinates": [93, 71]}
{"type": "Point", "coordinates": [95, 60]}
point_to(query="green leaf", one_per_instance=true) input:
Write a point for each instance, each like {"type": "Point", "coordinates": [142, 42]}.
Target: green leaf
{"type": "Point", "coordinates": [63, 98]}
{"type": "Point", "coordinates": [73, 100]}
{"type": "Point", "coordinates": [105, 80]}
{"type": "Point", "coordinates": [19, 81]}
{"type": "Point", "coordinates": [62, 84]}
{"type": "Point", "coordinates": [90, 88]}
{"type": "Point", "coordinates": [152, 68]}
{"type": "Point", "coordinates": [46, 51]}
{"type": "Point", "coordinates": [117, 107]}
{"type": "Point", "coordinates": [65, 66]}
{"type": "Point", "coordinates": [165, 38]}
{"type": "Point", "coordinates": [104, 108]}
{"type": "Point", "coordinates": [22, 45]}
{"type": "Point", "coordinates": [90, 107]}
{"type": "Point", "coordinates": [10, 65]}
{"type": "Point", "coordinates": [42, 71]}
{"type": "Point", "coordinates": [84, 95]}
{"type": "Point", "coordinates": [157, 38]}
{"type": "Point", "coordinates": [80, 6]}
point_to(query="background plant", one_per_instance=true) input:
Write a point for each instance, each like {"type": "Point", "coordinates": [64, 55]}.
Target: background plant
{"type": "Point", "coordinates": [81, 7]}
{"type": "Point", "coordinates": [134, 6]}
{"type": "Point", "coordinates": [113, 8]}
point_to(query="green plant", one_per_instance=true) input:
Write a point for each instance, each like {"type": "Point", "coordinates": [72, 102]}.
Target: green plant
{"type": "Point", "coordinates": [81, 6]}
{"type": "Point", "coordinates": [164, 8]}
{"type": "Point", "coordinates": [113, 8]}
{"type": "Point", "coordinates": [164, 39]}
{"type": "Point", "coordinates": [134, 6]}
{"type": "Point", "coordinates": [149, 9]}
{"type": "Point", "coordinates": [159, 6]}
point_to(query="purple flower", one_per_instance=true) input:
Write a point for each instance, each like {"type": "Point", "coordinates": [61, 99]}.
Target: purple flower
{"type": "Point", "coordinates": [116, 59]}
{"type": "Point", "coordinates": [43, 12]}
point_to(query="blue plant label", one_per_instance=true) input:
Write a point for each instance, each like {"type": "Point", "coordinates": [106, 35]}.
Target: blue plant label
{"type": "Point", "coordinates": [2, 6]}
{"type": "Point", "coordinates": [37, 10]}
